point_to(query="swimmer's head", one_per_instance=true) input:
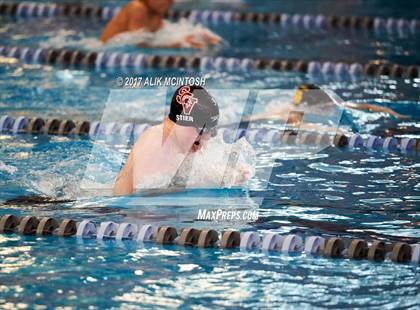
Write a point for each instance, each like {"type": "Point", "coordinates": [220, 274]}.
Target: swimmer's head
{"type": "Point", "coordinates": [193, 106]}
{"type": "Point", "coordinates": [159, 6]}
{"type": "Point", "coordinates": [310, 94]}
{"type": "Point", "coordinates": [195, 113]}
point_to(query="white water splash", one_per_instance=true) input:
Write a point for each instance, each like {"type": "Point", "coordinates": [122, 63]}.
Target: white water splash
{"type": "Point", "coordinates": [66, 38]}
{"type": "Point", "coordinates": [171, 34]}
{"type": "Point", "coordinates": [7, 168]}
{"type": "Point", "coordinates": [55, 185]}
{"type": "Point", "coordinates": [216, 165]}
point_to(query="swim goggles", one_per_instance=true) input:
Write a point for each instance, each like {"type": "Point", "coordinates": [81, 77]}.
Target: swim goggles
{"type": "Point", "coordinates": [211, 131]}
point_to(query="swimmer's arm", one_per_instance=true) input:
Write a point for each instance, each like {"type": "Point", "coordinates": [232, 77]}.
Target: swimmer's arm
{"type": "Point", "coordinates": [126, 20]}
{"type": "Point", "coordinates": [124, 182]}
{"type": "Point", "coordinates": [131, 18]}
{"type": "Point", "coordinates": [321, 128]}
{"type": "Point", "coordinates": [190, 41]}
{"type": "Point", "coordinates": [264, 116]}
{"type": "Point", "coordinates": [144, 159]}
{"type": "Point", "coordinates": [279, 111]}
{"type": "Point", "coordinates": [271, 113]}
{"type": "Point", "coordinates": [145, 45]}
{"type": "Point", "coordinates": [173, 45]}
{"type": "Point", "coordinates": [285, 116]}
{"type": "Point", "coordinates": [136, 167]}
{"type": "Point", "coordinates": [373, 108]}
{"type": "Point", "coordinates": [294, 119]}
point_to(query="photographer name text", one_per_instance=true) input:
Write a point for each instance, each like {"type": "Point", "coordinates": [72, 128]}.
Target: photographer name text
{"type": "Point", "coordinates": [139, 81]}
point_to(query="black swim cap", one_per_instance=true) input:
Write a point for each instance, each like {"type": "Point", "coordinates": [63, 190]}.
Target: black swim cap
{"type": "Point", "coordinates": [310, 94]}
{"type": "Point", "coordinates": [193, 106]}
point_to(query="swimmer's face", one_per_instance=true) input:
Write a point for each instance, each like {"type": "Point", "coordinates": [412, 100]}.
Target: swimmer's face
{"type": "Point", "coordinates": [160, 6]}
{"type": "Point", "coordinates": [190, 139]}
{"type": "Point", "coordinates": [200, 141]}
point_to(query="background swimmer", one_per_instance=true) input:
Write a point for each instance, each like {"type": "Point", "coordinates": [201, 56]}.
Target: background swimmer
{"type": "Point", "coordinates": [147, 16]}
{"type": "Point", "coordinates": [162, 156]}
{"type": "Point", "coordinates": [310, 98]}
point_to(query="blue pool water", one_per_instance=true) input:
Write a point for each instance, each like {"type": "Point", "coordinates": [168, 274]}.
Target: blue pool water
{"type": "Point", "coordinates": [363, 194]}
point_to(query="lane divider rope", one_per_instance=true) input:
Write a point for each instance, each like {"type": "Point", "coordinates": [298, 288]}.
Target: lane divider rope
{"type": "Point", "coordinates": [332, 247]}
{"type": "Point", "coordinates": [97, 129]}
{"type": "Point", "coordinates": [138, 62]}
{"type": "Point", "coordinates": [297, 21]}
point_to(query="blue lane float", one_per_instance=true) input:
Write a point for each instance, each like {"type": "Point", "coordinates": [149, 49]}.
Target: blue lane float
{"type": "Point", "coordinates": [30, 9]}
{"type": "Point", "coordinates": [99, 130]}
{"type": "Point", "coordinates": [296, 21]}
{"type": "Point", "coordinates": [138, 62]}
{"type": "Point", "coordinates": [330, 247]}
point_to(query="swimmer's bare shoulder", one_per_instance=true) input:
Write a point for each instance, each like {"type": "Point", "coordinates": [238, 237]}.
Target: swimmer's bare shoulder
{"type": "Point", "coordinates": [132, 17]}
{"type": "Point", "coordinates": [138, 15]}
{"type": "Point", "coordinates": [150, 136]}
{"type": "Point", "coordinates": [136, 5]}
{"type": "Point", "coordinates": [147, 147]}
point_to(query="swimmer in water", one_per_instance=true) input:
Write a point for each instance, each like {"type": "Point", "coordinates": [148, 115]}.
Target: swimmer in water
{"type": "Point", "coordinates": [147, 16]}
{"type": "Point", "coordinates": [164, 149]}
{"type": "Point", "coordinates": [308, 97]}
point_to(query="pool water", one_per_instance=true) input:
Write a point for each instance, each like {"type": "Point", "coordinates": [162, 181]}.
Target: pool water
{"type": "Point", "coordinates": [349, 193]}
